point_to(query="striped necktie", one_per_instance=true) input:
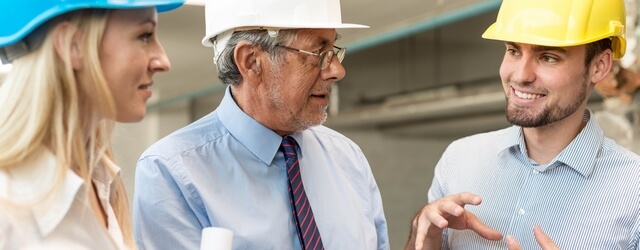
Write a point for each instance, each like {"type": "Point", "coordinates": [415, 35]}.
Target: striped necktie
{"type": "Point", "coordinates": [303, 216]}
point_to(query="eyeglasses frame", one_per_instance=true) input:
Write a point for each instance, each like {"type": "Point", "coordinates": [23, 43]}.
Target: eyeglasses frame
{"type": "Point", "coordinates": [321, 55]}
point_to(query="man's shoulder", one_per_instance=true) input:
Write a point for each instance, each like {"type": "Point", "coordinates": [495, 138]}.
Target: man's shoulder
{"type": "Point", "coordinates": [616, 151]}
{"type": "Point", "coordinates": [323, 133]}
{"type": "Point", "coordinates": [199, 133]}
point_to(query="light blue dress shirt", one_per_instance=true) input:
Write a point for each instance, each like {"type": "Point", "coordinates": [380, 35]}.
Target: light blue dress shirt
{"type": "Point", "coordinates": [226, 170]}
{"type": "Point", "coordinates": [588, 197]}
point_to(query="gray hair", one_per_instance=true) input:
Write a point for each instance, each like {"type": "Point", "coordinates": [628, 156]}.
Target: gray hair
{"type": "Point", "coordinates": [228, 71]}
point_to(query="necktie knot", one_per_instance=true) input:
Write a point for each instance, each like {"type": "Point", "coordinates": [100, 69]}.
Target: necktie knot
{"type": "Point", "coordinates": [288, 146]}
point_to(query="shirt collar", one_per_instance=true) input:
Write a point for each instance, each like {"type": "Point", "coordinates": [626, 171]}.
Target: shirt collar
{"type": "Point", "coordinates": [107, 174]}
{"type": "Point", "coordinates": [260, 140]}
{"type": "Point", "coordinates": [512, 138]}
{"type": "Point", "coordinates": [40, 169]}
{"type": "Point", "coordinates": [580, 154]}
{"type": "Point", "coordinates": [103, 178]}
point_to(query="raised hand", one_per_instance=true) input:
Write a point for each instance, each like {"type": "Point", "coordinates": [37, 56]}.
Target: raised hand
{"type": "Point", "coordinates": [426, 231]}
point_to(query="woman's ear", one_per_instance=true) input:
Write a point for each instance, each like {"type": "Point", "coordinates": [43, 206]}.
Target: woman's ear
{"type": "Point", "coordinates": [248, 61]}
{"type": "Point", "coordinates": [74, 47]}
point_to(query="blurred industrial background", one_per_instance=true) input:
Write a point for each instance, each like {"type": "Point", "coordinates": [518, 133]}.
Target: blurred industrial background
{"type": "Point", "coordinates": [418, 79]}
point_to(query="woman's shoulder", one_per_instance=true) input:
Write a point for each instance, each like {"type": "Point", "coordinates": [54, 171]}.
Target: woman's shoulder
{"type": "Point", "coordinates": [36, 193]}
{"type": "Point", "coordinates": [17, 226]}
{"type": "Point", "coordinates": [30, 179]}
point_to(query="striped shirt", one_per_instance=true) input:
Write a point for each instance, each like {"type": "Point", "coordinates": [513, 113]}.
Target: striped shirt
{"type": "Point", "coordinates": [588, 197]}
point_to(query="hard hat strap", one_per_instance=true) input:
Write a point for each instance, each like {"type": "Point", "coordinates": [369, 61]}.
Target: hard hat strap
{"type": "Point", "coordinates": [220, 43]}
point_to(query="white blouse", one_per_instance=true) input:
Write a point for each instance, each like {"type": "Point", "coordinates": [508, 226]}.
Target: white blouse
{"type": "Point", "coordinates": [65, 219]}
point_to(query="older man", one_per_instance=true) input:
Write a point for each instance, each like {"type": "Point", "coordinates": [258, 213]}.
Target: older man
{"type": "Point", "coordinates": [261, 164]}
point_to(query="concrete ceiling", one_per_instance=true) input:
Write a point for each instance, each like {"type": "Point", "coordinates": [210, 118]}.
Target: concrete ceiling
{"type": "Point", "coordinates": [193, 72]}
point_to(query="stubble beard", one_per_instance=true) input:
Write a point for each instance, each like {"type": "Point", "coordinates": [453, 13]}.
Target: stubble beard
{"type": "Point", "coordinates": [527, 118]}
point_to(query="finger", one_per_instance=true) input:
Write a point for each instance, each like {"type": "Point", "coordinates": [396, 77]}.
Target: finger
{"type": "Point", "coordinates": [431, 218]}
{"type": "Point", "coordinates": [453, 205]}
{"type": "Point", "coordinates": [423, 224]}
{"type": "Point", "coordinates": [438, 212]}
{"type": "Point", "coordinates": [432, 240]}
{"type": "Point", "coordinates": [512, 243]}
{"type": "Point", "coordinates": [427, 232]}
{"type": "Point", "coordinates": [543, 239]}
{"type": "Point", "coordinates": [466, 198]}
{"type": "Point", "coordinates": [433, 214]}
{"type": "Point", "coordinates": [481, 229]}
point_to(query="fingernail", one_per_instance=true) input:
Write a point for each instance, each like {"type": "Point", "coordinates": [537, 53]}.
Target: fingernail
{"type": "Point", "coordinates": [509, 238]}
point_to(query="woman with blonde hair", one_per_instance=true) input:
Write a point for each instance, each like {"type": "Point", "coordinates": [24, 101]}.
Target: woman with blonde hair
{"type": "Point", "coordinates": [78, 67]}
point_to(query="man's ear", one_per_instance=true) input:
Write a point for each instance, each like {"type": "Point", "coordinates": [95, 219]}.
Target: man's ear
{"type": "Point", "coordinates": [61, 34]}
{"type": "Point", "coordinates": [248, 61]}
{"type": "Point", "coordinates": [601, 65]}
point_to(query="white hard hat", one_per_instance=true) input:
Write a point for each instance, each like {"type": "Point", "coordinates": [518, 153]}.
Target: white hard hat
{"type": "Point", "coordinates": [223, 17]}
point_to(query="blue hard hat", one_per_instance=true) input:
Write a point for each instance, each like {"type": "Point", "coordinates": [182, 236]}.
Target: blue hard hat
{"type": "Point", "coordinates": [18, 18]}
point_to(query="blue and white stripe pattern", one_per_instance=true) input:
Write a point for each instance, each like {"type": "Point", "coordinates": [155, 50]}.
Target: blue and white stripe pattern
{"type": "Point", "coordinates": [588, 197]}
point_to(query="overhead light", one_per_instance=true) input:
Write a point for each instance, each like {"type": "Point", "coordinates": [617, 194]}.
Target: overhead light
{"type": "Point", "coordinates": [195, 2]}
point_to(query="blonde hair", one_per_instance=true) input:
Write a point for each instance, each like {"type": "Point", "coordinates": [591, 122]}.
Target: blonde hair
{"type": "Point", "coordinates": [44, 107]}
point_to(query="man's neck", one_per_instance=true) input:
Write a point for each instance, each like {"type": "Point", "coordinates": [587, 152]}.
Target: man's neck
{"type": "Point", "coordinates": [546, 142]}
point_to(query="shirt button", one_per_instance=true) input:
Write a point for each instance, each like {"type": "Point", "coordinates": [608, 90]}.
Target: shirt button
{"type": "Point", "coordinates": [521, 211]}
{"type": "Point", "coordinates": [535, 171]}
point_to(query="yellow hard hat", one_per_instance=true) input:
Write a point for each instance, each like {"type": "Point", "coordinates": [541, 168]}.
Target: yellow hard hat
{"type": "Point", "coordinates": [561, 23]}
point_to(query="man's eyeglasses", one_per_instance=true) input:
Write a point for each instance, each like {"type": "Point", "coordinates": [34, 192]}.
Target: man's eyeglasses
{"type": "Point", "coordinates": [325, 57]}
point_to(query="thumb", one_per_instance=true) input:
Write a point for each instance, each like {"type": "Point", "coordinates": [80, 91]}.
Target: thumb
{"type": "Point", "coordinates": [512, 243]}
{"type": "Point", "coordinates": [543, 239]}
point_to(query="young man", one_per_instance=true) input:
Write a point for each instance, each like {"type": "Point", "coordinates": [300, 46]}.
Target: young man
{"type": "Point", "coordinates": [551, 180]}
{"type": "Point", "coordinates": [261, 164]}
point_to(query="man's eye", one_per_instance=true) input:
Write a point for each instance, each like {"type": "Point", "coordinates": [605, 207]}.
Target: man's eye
{"type": "Point", "coordinates": [548, 58]}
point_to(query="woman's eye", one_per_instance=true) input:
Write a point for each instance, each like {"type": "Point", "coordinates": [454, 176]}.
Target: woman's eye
{"type": "Point", "coordinates": [146, 36]}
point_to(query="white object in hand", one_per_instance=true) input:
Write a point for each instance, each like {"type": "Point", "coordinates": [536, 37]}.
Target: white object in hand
{"type": "Point", "coordinates": [216, 238]}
